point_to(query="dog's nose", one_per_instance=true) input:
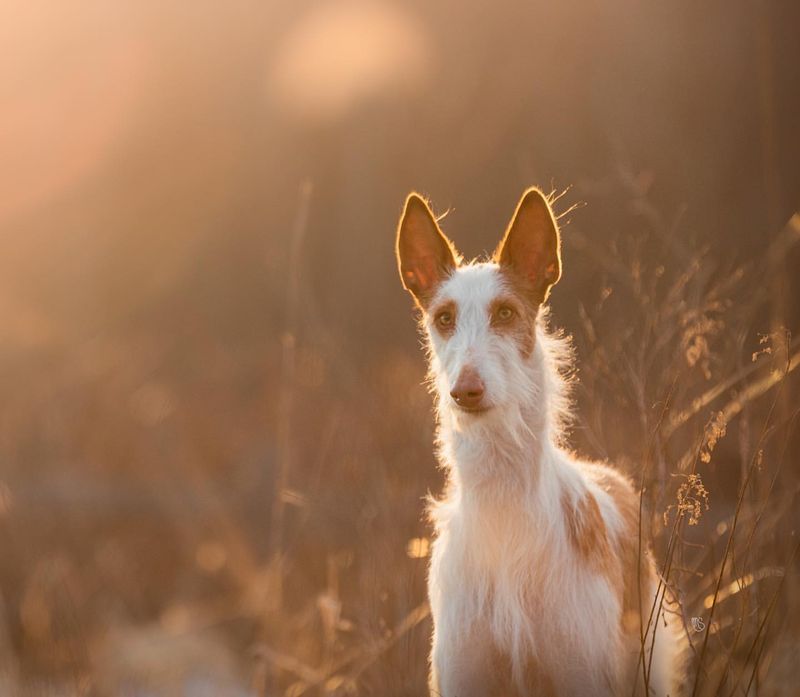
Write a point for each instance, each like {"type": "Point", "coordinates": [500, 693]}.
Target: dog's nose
{"type": "Point", "coordinates": [468, 390]}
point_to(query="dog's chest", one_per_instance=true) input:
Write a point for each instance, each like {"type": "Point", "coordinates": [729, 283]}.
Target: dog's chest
{"type": "Point", "coordinates": [517, 590]}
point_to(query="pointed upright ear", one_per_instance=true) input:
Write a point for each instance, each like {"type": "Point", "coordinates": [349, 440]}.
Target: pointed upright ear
{"type": "Point", "coordinates": [531, 247]}
{"type": "Point", "coordinates": [424, 255]}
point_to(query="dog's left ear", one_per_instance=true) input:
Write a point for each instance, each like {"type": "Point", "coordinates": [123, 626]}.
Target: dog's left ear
{"type": "Point", "coordinates": [531, 247]}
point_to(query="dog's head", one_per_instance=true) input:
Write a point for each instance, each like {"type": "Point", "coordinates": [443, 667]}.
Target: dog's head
{"type": "Point", "coordinates": [480, 317]}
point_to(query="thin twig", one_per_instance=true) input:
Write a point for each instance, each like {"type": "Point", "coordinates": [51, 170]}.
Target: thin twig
{"type": "Point", "coordinates": [734, 406]}
{"type": "Point", "coordinates": [288, 342]}
{"type": "Point", "coordinates": [769, 381]}
{"type": "Point", "coordinates": [369, 653]}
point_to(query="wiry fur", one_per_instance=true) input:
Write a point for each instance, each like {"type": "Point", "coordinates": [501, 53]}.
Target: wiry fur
{"type": "Point", "coordinates": [533, 581]}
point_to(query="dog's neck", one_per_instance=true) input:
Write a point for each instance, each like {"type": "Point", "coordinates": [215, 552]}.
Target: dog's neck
{"type": "Point", "coordinates": [506, 456]}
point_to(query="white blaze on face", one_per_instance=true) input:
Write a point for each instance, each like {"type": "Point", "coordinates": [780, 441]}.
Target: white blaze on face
{"type": "Point", "coordinates": [474, 293]}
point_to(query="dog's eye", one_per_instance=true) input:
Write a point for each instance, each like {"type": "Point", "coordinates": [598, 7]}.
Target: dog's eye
{"type": "Point", "coordinates": [504, 313]}
{"type": "Point", "coordinates": [444, 319]}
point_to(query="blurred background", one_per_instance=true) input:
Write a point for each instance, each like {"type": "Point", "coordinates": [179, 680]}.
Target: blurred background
{"type": "Point", "coordinates": [215, 443]}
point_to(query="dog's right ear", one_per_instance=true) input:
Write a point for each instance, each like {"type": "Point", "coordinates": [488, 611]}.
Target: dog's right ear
{"type": "Point", "coordinates": [424, 255]}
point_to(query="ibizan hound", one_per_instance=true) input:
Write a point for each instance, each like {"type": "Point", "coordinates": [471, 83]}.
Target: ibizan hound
{"type": "Point", "coordinates": [537, 580]}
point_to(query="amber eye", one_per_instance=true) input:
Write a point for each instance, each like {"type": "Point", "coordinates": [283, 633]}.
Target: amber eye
{"type": "Point", "coordinates": [504, 313]}
{"type": "Point", "coordinates": [444, 320]}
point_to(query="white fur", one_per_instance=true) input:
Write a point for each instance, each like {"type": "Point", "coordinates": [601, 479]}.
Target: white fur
{"type": "Point", "coordinates": [510, 596]}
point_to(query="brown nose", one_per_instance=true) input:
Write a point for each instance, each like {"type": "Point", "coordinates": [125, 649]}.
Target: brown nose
{"type": "Point", "coordinates": [468, 390]}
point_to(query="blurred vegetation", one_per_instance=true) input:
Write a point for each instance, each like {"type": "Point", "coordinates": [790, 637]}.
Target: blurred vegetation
{"type": "Point", "coordinates": [214, 438]}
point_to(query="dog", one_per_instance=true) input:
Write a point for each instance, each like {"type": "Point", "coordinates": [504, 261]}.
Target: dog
{"type": "Point", "coordinates": [539, 583]}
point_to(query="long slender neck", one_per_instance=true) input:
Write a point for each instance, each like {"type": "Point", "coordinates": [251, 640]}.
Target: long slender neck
{"type": "Point", "coordinates": [506, 455]}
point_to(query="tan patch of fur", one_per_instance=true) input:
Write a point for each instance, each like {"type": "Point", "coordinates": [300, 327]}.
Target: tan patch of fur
{"type": "Point", "coordinates": [626, 502]}
{"type": "Point", "coordinates": [539, 682]}
{"type": "Point", "coordinates": [522, 327]}
{"type": "Point", "coordinates": [444, 306]}
{"type": "Point", "coordinates": [587, 532]}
